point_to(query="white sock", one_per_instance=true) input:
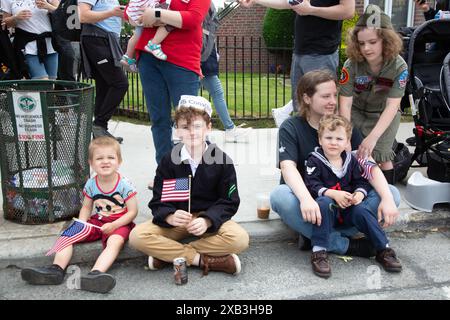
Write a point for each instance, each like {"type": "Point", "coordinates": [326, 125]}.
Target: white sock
{"type": "Point", "coordinates": [318, 248]}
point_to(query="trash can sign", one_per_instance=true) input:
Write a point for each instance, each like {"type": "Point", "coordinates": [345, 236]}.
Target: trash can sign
{"type": "Point", "coordinates": [28, 112]}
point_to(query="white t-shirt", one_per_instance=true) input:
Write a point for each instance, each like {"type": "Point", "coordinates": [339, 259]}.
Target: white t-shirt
{"type": "Point", "coordinates": [38, 23]}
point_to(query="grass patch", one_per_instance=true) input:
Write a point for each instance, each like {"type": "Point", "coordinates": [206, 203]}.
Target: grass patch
{"type": "Point", "coordinates": [248, 95]}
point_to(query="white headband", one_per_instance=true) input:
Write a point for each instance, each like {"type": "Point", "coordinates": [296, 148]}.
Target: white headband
{"type": "Point", "coordinates": [195, 102]}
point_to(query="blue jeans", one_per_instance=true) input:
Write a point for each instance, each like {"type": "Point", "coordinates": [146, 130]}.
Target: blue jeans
{"type": "Point", "coordinates": [358, 216]}
{"type": "Point", "coordinates": [303, 63]}
{"type": "Point", "coordinates": [163, 84]}
{"type": "Point", "coordinates": [214, 87]}
{"type": "Point", "coordinates": [285, 203]}
{"type": "Point", "coordinates": [38, 70]}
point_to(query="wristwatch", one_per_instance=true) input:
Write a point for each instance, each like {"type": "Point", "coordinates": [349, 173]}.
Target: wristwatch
{"type": "Point", "coordinates": [158, 14]}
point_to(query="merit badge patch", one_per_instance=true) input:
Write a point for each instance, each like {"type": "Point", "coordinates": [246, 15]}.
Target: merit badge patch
{"type": "Point", "coordinates": [343, 79]}
{"type": "Point", "coordinates": [403, 79]}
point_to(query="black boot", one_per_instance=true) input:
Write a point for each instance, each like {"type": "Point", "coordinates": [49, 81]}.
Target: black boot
{"type": "Point", "coordinates": [390, 176]}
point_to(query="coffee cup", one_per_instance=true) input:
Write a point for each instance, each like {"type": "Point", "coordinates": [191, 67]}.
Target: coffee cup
{"type": "Point", "coordinates": [262, 206]}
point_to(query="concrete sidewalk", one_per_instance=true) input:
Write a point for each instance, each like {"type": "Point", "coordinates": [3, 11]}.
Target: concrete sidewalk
{"type": "Point", "coordinates": [255, 163]}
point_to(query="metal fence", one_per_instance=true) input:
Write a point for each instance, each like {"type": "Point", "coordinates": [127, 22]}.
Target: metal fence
{"type": "Point", "coordinates": [255, 79]}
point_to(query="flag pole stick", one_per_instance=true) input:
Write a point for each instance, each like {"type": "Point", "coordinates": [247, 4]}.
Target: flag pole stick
{"type": "Point", "coordinates": [189, 203]}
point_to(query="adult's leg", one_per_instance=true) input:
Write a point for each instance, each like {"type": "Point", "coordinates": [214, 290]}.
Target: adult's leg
{"type": "Point", "coordinates": [102, 63]}
{"type": "Point", "coordinates": [35, 67]}
{"type": "Point", "coordinates": [66, 59]}
{"type": "Point", "coordinates": [285, 203]}
{"type": "Point", "coordinates": [372, 201]}
{"type": "Point", "coordinates": [163, 85]}
{"type": "Point", "coordinates": [51, 65]}
{"type": "Point", "coordinates": [214, 87]}
{"type": "Point", "coordinates": [157, 96]}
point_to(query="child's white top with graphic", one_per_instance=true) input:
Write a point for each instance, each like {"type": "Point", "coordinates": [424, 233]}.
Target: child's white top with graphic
{"type": "Point", "coordinates": [137, 7]}
{"type": "Point", "coordinates": [38, 23]}
{"type": "Point", "coordinates": [122, 192]}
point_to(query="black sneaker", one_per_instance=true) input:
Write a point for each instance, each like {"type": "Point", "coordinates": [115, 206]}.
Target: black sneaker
{"type": "Point", "coordinates": [304, 244]}
{"type": "Point", "coordinates": [98, 131]}
{"type": "Point", "coordinates": [361, 248]}
{"type": "Point", "coordinates": [97, 281]}
{"type": "Point", "coordinates": [51, 275]}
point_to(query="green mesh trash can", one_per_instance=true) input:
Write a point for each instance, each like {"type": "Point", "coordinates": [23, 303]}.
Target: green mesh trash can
{"type": "Point", "coordinates": [45, 130]}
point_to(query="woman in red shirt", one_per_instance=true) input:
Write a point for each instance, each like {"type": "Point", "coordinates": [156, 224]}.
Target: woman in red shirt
{"type": "Point", "coordinates": [164, 82]}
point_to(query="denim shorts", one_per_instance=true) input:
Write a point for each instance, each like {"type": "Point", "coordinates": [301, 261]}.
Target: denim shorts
{"type": "Point", "coordinates": [37, 70]}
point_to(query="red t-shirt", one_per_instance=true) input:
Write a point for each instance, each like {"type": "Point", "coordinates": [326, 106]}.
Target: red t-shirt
{"type": "Point", "coordinates": [182, 46]}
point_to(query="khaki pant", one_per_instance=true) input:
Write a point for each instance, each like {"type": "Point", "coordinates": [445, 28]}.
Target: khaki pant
{"type": "Point", "coordinates": [163, 243]}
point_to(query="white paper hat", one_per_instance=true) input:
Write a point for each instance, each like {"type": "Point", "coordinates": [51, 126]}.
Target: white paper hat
{"type": "Point", "coordinates": [195, 102]}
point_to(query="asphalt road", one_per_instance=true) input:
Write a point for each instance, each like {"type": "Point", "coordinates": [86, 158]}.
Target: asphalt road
{"type": "Point", "coordinates": [271, 271]}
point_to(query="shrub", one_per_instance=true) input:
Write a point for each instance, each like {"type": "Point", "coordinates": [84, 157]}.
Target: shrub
{"type": "Point", "coordinates": [347, 25]}
{"type": "Point", "coordinates": [278, 28]}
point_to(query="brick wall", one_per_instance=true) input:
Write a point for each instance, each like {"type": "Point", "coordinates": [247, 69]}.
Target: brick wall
{"type": "Point", "coordinates": [241, 45]}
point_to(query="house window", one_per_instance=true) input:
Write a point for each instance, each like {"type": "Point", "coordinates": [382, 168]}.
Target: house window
{"type": "Point", "coordinates": [400, 11]}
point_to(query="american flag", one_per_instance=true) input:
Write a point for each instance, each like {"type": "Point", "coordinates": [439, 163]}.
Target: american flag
{"type": "Point", "coordinates": [75, 233]}
{"type": "Point", "coordinates": [175, 190]}
{"type": "Point", "coordinates": [366, 168]}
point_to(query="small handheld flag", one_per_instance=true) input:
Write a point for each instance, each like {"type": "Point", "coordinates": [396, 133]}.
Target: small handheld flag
{"type": "Point", "coordinates": [75, 233]}
{"type": "Point", "coordinates": [175, 190]}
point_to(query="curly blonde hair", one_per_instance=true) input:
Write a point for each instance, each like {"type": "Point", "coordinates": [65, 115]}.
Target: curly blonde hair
{"type": "Point", "coordinates": [392, 44]}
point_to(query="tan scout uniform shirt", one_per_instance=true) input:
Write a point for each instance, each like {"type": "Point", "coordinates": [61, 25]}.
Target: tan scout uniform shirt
{"type": "Point", "coordinates": [370, 92]}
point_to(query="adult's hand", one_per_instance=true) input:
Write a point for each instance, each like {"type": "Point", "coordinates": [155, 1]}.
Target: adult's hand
{"type": "Point", "coordinates": [179, 218]}
{"type": "Point", "coordinates": [23, 15]}
{"type": "Point", "coordinates": [310, 211]}
{"type": "Point", "coordinates": [117, 11]}
{"type": "Point", "coordinates": [388, 211]}
{"type": "Point", "coordinates": [148, 18]}
{"type": "Point", "coordinates": [423, 5]}
{"type": "Point", "coordinates": [366, 147]}
{"type": "Point", "coordinates": [304, 8]}
{"type": "Point", "coordinates": [247, 3]}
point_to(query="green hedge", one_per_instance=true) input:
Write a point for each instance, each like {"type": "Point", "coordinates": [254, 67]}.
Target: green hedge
{"type": "Point", "coordinates": [278, 28]}
{"type": "Point", "coordinates": [348, 24]}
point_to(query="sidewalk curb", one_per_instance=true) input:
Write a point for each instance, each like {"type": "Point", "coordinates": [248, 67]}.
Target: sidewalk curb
{"type": "Point", "coordinates": [31, 251]}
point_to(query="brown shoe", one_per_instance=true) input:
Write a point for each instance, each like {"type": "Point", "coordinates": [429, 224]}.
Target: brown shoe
{"type": "Point", "coordinates": [320, 265]}
{"type": "Point", "coordinates": [156, 264]}
{"type": "Point", "coordinates": [228, 264]}
{"type": "Point", "coordinates": [388, 260]}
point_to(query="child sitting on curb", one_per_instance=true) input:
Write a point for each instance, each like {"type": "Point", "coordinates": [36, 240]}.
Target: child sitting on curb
{"type": "Point", "coordinates": [201, 206]}
{"type": "Point", "coordinates": [114, 219]}
{"type": "Point", "coordinates": [333, 177]}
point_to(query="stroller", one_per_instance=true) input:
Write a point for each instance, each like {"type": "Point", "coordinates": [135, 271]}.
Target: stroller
{"type": "Point", "coordinates": [429, 98]}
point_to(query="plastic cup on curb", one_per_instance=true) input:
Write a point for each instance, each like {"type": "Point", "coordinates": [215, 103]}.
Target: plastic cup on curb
{"type": "Point", "coordinates": [262, 206]}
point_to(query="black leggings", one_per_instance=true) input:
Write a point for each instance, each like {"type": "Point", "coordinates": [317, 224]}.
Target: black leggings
{"type": "Point", "coordinates": [111, 84]}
